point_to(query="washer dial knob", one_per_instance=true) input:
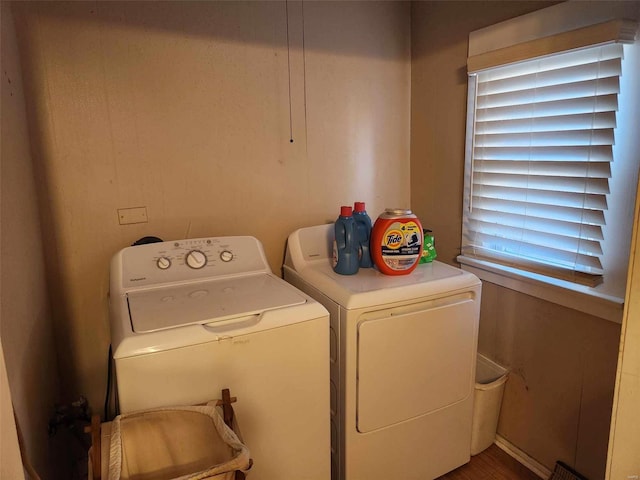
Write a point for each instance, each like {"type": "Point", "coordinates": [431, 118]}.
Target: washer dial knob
{"type": "Point", "coordinates": [163, 263]}
{"type": "Point", "coordinates": [226, 256]}
{"type": "Point", "coordinates": [195, 259]}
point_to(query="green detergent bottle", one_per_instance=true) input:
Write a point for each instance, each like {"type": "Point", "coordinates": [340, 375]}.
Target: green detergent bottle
{"type": "Point", "coordinates": [429, 249]}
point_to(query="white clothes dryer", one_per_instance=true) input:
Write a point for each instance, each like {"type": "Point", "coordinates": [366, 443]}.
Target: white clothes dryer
{"type": "Point", "coordinates": [403, 356]}
{"type": "Point", "coordinates": [191, 317]}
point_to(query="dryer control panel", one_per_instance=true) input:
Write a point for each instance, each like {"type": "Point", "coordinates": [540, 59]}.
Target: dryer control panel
{"type": "Point", "coordinates": [186, 260]}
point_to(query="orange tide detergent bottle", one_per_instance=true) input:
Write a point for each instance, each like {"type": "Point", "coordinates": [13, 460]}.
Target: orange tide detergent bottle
{"type": "Point", "coordinates": [396, 242]}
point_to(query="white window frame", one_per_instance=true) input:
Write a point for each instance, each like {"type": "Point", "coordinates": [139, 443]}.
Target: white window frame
{"type": "Point", "coordinates": [606, 300]}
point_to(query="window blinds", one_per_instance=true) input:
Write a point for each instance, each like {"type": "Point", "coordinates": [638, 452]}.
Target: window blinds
{"type": "Point", "coordinates": [542, 148]}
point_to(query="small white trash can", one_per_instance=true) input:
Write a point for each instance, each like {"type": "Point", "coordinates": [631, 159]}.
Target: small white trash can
{"type": "Point", "coordinates": [490, 380]}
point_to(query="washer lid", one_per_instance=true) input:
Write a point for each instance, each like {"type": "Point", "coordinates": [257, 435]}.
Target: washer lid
{"type": "Point", "coordinates": [208, 302]}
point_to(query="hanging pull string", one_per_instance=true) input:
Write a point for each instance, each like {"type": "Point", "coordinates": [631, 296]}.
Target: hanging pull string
{"type": "Point", "coordinates": [304, 83]}
{"type": "Point", "coordinates": [286, 9]}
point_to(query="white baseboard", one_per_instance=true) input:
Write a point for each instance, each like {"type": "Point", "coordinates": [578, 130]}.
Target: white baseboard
{"type": "Point", "coordinates": [533, 465]}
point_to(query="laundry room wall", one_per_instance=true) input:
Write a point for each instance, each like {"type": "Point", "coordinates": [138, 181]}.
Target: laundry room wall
{"type": "Point", "coordinates": [557, 402]}
{"type": "Point", "coordinates": [26, 331]}
{"type": "Point", "coordinates": [188, 109]}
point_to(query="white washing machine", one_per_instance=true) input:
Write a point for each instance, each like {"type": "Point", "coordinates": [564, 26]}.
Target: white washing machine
{"type": "Point", "coordinates": [403, 356]}
{"type": "Point", "coordinates": [191, 317]}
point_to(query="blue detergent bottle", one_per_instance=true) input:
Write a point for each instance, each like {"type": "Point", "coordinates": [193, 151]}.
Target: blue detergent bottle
{"type": "Point", "coordinates": [363, 228]}
{"type": "Point", "coordinates": [345, 245]}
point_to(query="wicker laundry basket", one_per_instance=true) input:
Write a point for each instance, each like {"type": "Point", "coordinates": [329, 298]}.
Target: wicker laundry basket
{"type": "Point", "coordinates": [176, 443]}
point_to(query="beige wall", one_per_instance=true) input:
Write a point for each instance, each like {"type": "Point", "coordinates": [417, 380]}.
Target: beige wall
{"type": "Point", "coordinates": [25, 316]}
{"type": "Point", "coordinates": [184, 108]}
{"type": "Point", "coordinates": [557, 403]}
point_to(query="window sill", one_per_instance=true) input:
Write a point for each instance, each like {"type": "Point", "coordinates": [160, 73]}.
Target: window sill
{"type": "Point", "coordinates": [561, 292]}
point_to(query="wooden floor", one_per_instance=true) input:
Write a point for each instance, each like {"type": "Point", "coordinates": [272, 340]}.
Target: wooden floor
{"type": "Point", "coordinates": [492, 464]}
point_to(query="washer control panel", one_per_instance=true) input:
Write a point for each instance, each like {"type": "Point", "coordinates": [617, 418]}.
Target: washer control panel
{"type": "Point", "coordinates": [190, 259]}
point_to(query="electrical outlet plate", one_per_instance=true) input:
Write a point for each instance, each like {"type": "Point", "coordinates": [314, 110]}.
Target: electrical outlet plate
{"type": "Point", "coordinates": [128, 216]}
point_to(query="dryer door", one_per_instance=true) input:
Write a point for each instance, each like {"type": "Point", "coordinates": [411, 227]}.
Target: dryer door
{"type": "Point", "coordinates": [414, 360]}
